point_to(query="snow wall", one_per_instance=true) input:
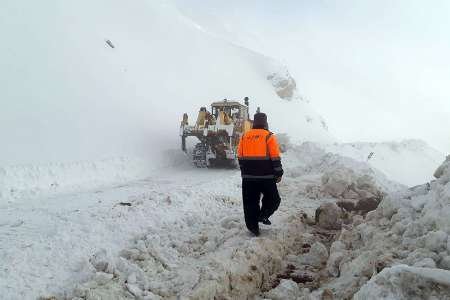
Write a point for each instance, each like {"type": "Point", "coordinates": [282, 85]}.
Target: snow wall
{"type": "Point", "coordinates": [410, 162]}
{"type": "Point", "coordinates": [93, 92]}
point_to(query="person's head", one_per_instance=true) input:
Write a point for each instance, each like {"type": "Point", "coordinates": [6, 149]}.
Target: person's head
{"type": "Point", "coordinates": [260, 121]}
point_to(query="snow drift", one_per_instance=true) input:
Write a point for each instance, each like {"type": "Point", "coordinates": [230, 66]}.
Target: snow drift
{"type": "Point", "coordinates": [410, 162]}
{"type": "Point", "coordinates": [105, 83]}
{"type": "Point", "coordinates": [400, 251]}
{"type": "Point", "coordinates": [404, 282]}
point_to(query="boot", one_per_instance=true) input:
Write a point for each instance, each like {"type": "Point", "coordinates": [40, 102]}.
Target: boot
{"type": "Point", "coordinates": [265, 221]}
{"type": "Point", "coordinates": [255, 231]}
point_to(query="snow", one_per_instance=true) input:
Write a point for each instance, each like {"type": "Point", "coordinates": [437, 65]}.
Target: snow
{"type": "Point", "coordinates": [77, 112]}
{"type": "Point", "coordinates": [409, 162]}
{"type": "Point", "coordinates": [180, 222]}
{"type": "Point", "coordinates": [409, 227]}
{"type": "Point", "coordinates": [313, 157]}
{"type": "Point", "coordinates": [287, 289]}
{"type": "Point", "coordinates": [28, 181]}
{"type": "Point", "coordinates": [403, 282]}
{"type": "Point", "coordinates": [57, 235]}
{"type": "Point", "coordinates": [181, 232]}
{"type": "Point", "coordinates": [97, 202]}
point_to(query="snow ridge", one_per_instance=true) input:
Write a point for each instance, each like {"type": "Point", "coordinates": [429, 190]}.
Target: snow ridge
{"type": "Point", "coordinates": [30, 181]}
{"type": "Point", "coordinates": [409, 227]}
{"type": "Point", "coordinates": [410, 162]}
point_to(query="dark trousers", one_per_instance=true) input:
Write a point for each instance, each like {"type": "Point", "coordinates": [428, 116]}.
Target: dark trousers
{"type": "Point", "coordinates": [251, 195]}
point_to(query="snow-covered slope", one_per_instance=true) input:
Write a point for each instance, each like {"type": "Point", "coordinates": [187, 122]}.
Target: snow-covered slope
{"type": "Point", "coordinates": [410, 162]}
{"type": "Point", "coordinates": [73, 106]}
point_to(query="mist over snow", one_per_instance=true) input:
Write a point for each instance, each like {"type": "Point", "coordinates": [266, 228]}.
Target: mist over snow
{"type": "Point", "coordinates": [93, 93]}
{"type": "Point", "coordinates": [75, 110]}
{"type": "Point", "coordinates": [376, 70]}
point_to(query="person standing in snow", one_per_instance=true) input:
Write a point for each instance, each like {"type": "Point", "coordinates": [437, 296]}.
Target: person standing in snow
{"type": "Point", "coordinates": [261, 170]}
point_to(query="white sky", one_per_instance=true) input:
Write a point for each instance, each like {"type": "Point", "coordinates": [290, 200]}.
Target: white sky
{"type": "Point", "coordinates": [376, 70]}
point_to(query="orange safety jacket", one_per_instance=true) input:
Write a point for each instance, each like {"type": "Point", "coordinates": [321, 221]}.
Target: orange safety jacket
{"type": "Point", "coordinates": [259, 155]}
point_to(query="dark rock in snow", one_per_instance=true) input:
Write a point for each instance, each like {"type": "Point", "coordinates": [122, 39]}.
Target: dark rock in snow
{"type": "Point", "coordinates": [110, 44]}
{"type": "Point", "coordinates": [328, 216]}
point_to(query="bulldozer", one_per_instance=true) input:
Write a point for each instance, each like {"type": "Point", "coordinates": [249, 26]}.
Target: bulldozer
{"type": "Point", "coordinates": [218, 131]}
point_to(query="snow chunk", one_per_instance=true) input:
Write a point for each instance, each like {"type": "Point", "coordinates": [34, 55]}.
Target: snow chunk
{"type": "Point", "coordinates": [102, 262]}
{"type": "Point", "coordinates": [284, 84]}
{"type": "Point", "coordinates": [337, 253]}
{"type": "Point", "coordinates": [316, 257]}
{"type": "Point", "coordinates": [287, 289]}
{"type": "Point", "coordinates": [436, 241]}
{"type": "Point", "coordinates": [134, 289]}
{"type": "Point", "coordinates": [336, 182]}
{"type": "Point", "coordinates": [102, 278]}
{"type": "Point", "coordinates": [402, 282]}
{"type": "Point", "coordinates": [443, 170]}
{"type": "Point", "coordinates": [360, 189]}
{"type": "Point", "coordinates": [425, 263]}
{"type": "Point", "coordinates": [445, 263]}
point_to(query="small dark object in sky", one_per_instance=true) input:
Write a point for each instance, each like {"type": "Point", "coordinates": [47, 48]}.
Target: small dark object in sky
{"type": "Point", "coordinates": [110, 44]}
{"type": "Point", "coordinates": [125, 203]}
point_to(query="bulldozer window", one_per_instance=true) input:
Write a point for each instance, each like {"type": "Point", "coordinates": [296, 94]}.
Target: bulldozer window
{"type": "Point", "coordinates": [215, 112]}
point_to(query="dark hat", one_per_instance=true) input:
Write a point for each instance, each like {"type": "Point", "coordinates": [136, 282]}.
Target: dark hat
{"type": "Point", "coordinates": [260, 121]}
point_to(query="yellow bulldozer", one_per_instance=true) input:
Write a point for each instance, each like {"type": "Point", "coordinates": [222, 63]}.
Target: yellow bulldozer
{"type": "Point", "coordinates": [218, 131]}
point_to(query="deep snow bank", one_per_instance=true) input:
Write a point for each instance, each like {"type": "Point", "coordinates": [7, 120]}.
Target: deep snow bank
{"type": "Point", "coordinates": [25, 181]}
{"type": "Point", "coordinates": [409, 227]}
{"type": "Point", "coordinates": [72, 104]}
{"type": "Point", "coordinates": [404, 282]}
{"type": "Point", "coordinates": [220, 264]}
{"type": "Point", "coordinates": [342, 173]}
{"type": "Point", "coordinates": [410, 162]}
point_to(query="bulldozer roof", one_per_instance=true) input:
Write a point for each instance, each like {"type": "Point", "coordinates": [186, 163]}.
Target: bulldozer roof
{"type": "Point", "coordinates": [226, 103]}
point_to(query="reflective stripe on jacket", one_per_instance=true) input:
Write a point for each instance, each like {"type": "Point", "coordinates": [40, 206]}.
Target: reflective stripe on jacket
{"type": "Point", "coordinates": [259, 155]}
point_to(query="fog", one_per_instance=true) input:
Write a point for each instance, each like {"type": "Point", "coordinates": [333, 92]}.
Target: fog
{"type": "Point", "coordinates": [376, 70]}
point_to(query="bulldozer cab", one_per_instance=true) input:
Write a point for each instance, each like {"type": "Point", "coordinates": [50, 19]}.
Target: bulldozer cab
{"type": "Point", "coordinates": [229, 109]}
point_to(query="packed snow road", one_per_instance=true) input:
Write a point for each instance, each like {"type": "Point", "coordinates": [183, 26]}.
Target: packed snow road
{"type": "Point", "coordinates": [180, 234]}
{"type": "Point", "coordinates": [48, 244]}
